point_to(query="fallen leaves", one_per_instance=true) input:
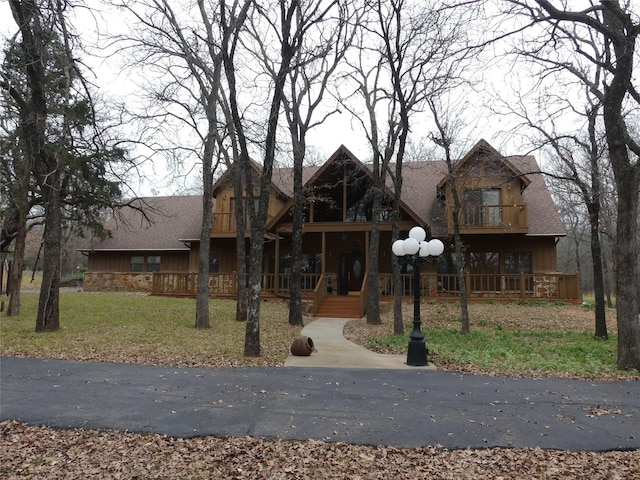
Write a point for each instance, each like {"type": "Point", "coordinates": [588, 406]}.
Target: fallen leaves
{"type": "Point", "coordinates": [42, 452]}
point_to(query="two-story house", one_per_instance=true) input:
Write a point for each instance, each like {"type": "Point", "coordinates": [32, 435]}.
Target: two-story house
{"type": "Point", "coordinates": [508, 224]}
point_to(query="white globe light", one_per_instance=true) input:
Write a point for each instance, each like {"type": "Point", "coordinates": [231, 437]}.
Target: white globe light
{"type": "Point", "coordinates": [410, 246]}
{"type": "Point", "coordinates": [398, 248]}
{"type": "Point", "coordinates": [424, 249]}
{"type": "Point", "coordinates": [418, 233]}
{"type": "Point", "coordinates": [436, 247]}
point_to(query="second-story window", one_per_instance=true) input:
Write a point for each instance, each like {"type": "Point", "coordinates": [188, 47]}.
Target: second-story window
{"type": "Point", "coordinates": [482, 207]}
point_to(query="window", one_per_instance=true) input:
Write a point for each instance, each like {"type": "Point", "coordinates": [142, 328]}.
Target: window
{"type": "Point", "coordinates": [137, 264]}
{"type": "Point", "coordinates": [482, 207]}
{"type": "Point", "coordinates": [484, 262]}
{"type": "Point", "coordinates": [517, 266]}
{"type": "Point", "coordinates": [485, 270]}
{"type": "Point", "coordinates": [153, 263]}
{"type": "Point", "coordinates": [360, 211]}
{"type": "Point", "coordinates": [517, 262]}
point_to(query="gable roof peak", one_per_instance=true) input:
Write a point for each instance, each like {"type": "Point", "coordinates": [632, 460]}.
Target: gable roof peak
{"type": "Point", "coordinates": [482, 148]}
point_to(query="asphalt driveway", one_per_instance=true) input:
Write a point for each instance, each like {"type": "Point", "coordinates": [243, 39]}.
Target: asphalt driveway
{"type": "Point", "coordinates": [400, 407]}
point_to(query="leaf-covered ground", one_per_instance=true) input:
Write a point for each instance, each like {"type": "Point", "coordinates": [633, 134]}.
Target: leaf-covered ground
{"type": "Point", "coordinates": [36, 452]}
{"type": "Point", "coordinates": [41, 452]}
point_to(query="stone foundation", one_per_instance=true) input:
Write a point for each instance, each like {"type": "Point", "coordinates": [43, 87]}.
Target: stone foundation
{"type": "Point", "coordinates": [546, 286]}
{"type": "Point", "coordinates": [118, 282]}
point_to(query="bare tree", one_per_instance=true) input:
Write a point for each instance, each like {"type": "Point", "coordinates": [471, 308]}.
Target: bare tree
{"type": "Point", "coordinates": [578, 158]}
{"type": "Point", "coordinates": [615, 30]}
{"type": "Point", "coordinates": [407, 52]}
{"type": "Point", "coordinates": [184, 48]}
{"type": "Point", "coordinates": [287, 28]}
{"type": "Point", "coordinates": [328, 27]}
{"type": "Point", "coordinates": [444, 138]}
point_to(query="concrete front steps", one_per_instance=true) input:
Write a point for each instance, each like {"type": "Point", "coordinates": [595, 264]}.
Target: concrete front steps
{"type": "Point", "coordinates": [339, 306]}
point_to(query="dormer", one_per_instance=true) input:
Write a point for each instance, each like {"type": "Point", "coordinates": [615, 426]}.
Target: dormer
{"type": "Point", "coordinates": [490, 190]}
{"type": "Point", "coordinates": [224, 218]}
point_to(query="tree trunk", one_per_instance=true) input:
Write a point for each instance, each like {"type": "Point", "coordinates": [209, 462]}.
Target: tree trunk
{"type": "Point", "coordinates": [627, 273]}
{"type": "Point", "coordinates": [48, 318]}
{"type": "Point", "coordinates": [398, 320]}
{"type": "Point", "coordinates": [16, 269]}
{"type": "Point", "coordinates": [373, 302]}
{"type": "Point", "coordinates": [241, 245]}
{"type": "Point", "coordinates": [202, 298]}
{"type": "Point", "coordinates": [598, 275]}
{"type": "Point", "coordinates": [21, 206]}
{"type": "Point", "coordinates": [627, 176]}
{"type": "Point", "coordinates": [252, 331]}
{"type": "Point", "coordinates": [462, 283]}
{"type": "Point", "coordinates": [607, 278]}
{"type": "Point", "coordinates": [459, 257]}
{"type": "Point", "coordinates": [295, 287]}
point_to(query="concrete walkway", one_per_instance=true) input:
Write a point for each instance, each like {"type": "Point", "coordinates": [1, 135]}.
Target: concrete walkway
{"type": "Point", "coordinates": [335, 351]}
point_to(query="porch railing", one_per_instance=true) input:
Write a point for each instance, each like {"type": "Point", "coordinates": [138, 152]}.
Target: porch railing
{"type": "Point", "coordinates": [281, 284]}
{"type": "Point", "coordinates": [225, 284]}
{"type": "Point", "coordinates": [541, 286]}
{"type": "Point", "coordinates": [538, 286]}
{"type": "Point", "coordinates": [318, 293]}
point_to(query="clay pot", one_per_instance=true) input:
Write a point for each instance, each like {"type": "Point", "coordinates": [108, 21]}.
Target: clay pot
{"type": "Point", "coordinates": [302, 346]}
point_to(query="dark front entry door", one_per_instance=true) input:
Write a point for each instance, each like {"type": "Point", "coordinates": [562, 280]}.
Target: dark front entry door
{"type": "Point", "coordinates": [352, 269]}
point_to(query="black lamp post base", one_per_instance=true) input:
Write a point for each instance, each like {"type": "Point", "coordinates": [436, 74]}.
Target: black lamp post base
{"type": "Point", "coordinates": [417, 353]}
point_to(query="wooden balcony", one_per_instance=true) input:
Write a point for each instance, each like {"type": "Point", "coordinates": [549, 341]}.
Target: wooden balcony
{"type": "Point", "coordinates": [490, 219]}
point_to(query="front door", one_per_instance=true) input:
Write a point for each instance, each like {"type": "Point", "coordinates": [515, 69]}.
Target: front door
{"type": "Point", "coordinates": [352, 269]}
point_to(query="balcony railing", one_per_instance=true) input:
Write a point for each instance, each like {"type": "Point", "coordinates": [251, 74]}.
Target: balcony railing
{"type": "Point", "coordinates": [491, 218]}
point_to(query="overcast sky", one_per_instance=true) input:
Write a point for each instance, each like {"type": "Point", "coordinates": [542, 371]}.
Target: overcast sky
{"type": "Point", "coordinates": [337, 130]}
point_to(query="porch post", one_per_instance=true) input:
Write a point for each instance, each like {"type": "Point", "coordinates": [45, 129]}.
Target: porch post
{"type": "Point", "coordinates": [366, 247]}
{"type": "Point", "coordinates": [276, 278]}
{"type": "Point", "coordinates": [324, 251]}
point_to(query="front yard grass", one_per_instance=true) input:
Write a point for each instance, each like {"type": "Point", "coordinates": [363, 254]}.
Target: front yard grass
{"type": "Point", "coordinates": [505, 339]}
{"type": "Point", "coordinates": [145, 330]}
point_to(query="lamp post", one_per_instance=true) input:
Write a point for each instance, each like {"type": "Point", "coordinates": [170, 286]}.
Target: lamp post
{"type": "Point", "coordinates": [414, 251]}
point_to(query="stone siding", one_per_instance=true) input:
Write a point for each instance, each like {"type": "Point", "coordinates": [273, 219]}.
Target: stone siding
{"type": "Point", "coordinates": [118, 282]}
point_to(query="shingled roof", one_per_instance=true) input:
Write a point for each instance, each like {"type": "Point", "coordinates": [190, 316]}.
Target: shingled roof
{"type": "Point", "coordinates": [170, 221]}
{"type": "Point", "coordinates": [176, 220]}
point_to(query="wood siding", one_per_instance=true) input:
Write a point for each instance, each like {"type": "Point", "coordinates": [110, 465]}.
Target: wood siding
{"type": "Point", "coordinates": [121, 261]}
{"type": "Point", "coordinates": [224, 218]}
